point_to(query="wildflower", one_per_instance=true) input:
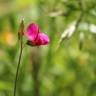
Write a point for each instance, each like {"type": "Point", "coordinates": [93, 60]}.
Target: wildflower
{"type": "Point", "coordinates": [35, 37]}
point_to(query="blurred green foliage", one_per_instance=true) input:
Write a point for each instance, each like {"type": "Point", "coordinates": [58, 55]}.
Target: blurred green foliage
{"type": "Point", "coordinates": [67, 70]}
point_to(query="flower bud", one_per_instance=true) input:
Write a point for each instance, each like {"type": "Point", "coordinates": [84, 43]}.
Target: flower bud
{"type": "Point", "coordinates": [21, 30]}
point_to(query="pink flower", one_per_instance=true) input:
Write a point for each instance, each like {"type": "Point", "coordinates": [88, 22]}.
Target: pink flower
{"type": "Point", "coordinates": [35, 37]}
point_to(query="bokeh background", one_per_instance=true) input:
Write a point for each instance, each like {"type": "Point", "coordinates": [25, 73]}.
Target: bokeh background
{"type": "Point", "coordinates": [67, 66]}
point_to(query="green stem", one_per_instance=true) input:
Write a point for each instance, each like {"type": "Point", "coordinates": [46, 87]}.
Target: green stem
{"type": "Point", "coordinates": [18, 67]}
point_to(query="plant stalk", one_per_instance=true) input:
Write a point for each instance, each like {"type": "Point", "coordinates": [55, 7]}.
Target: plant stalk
{"type": "Point", "coordinates": [18, 67]}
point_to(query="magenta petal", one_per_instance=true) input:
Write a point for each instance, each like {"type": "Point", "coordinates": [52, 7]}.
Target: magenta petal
{"type": "Point", "coordinates": [32, 31]}
{"type": "Point", "coordinates": [42, 39]}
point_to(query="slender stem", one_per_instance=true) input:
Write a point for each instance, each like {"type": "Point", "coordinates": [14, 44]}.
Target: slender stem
{"type": "Point", "coordinates": [18, 67]}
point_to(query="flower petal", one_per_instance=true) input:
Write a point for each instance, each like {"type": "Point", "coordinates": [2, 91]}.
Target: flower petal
{"type": "Point", "coordinates": [32, 31]}
{"type": "Point", "coordinates": [42, 39]}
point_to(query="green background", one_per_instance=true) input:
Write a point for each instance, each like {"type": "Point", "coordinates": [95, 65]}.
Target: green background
{"type": "Point", "coordinates": [65, 67]}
